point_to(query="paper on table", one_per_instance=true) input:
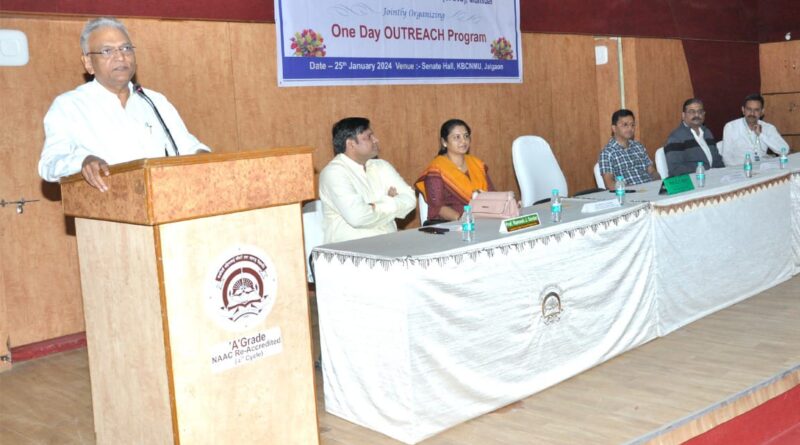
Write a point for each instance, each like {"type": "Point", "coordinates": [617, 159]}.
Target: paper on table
{"type": "Point", "coordinates": [598, 206]}
{"type": "Point", "coordinates": [733, 177]}
{"type": "Point", "coordinates": [770, 165]}
{"type": "Point", "coordinates": [453, 226]}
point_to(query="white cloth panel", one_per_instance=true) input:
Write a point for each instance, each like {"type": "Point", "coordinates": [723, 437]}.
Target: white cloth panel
{"type": "Point", "coordinates": [717, 250]}
{"type": "Point", "coordinates": [412, 348]}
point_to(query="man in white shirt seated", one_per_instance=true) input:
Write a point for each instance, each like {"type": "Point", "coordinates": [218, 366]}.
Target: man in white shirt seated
{"type": "Point", "coordinates": [108, 121]}
{"type": "Point", "coordinates": [361, 195]}
{"type": "Point", "coordinates": [749, 134]}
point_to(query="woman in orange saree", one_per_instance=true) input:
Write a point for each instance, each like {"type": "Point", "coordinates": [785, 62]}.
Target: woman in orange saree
{"type": "Point", "coordinates": [450, 180]}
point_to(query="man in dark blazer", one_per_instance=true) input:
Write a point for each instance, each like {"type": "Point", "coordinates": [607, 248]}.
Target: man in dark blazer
{"type": "Point", "coordinates": [691, 142]}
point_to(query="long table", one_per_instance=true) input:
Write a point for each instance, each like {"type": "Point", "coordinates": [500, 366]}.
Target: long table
{"type": "Point", "coordinates": [420, 332]}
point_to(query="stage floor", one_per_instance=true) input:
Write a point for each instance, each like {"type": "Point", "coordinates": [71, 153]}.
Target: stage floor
{"type": "Point", "coordinates": [662, 392]}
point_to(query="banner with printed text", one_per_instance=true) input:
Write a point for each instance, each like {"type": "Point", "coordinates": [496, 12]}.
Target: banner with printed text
{"type": "Point", "coordinates": [336, 42]}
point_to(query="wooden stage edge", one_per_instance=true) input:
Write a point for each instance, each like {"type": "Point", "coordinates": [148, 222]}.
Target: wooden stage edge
{"type": "Point", "coordinates": [718, 413]}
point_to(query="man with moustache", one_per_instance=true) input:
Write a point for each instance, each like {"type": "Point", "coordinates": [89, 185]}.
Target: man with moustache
{"type": "Point", "coordinates": [623, 156]}
{"type": "Point", "coordinates": [105, 121]}
{"type": "Point", "coordinates": [361, 195]}
{"type": "Point", "coordinates": [691, 142]}
{"type": "Point", "coordinates": [750, 134]}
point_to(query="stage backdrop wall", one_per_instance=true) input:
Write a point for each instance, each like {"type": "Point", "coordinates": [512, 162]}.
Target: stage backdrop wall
{"type": "Point", "coordinates": [762, 21]}
{"type": "Point", "coordinates": [221, 77]}
{"type": "Point", "coordinates": [780, 84]}
{"type": "Point", "coordinates": [721, 36]}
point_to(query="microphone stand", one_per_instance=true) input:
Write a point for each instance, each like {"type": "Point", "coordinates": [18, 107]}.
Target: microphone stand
{"type": "Point", "coordinates": [140, 91]}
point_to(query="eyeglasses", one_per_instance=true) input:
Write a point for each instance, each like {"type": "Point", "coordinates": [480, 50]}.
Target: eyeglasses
{"type": "Point", "coordinates": [692, 112]}
{"type": "Point", "coordinates": [108, 52]}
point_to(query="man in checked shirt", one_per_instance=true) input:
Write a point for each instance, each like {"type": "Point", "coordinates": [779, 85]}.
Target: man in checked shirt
{"type": "Point", "coordinates": [624, 156]}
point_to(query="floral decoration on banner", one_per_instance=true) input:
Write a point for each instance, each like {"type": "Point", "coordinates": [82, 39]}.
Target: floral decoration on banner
{"type": "Point", "coordinates": [501, 49]}
{"type": "Point", "coordinates": [308, 43]}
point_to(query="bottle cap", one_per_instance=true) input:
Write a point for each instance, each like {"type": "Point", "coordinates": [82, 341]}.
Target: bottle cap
{"type": "Point", "coordinates": [555, 191]}
{"type": "Point", "coordinates": [619, 177]}
{"type": "Point", "coordinates": [467, 208]}
{"type": "Point", "coordinates": [699, 163]}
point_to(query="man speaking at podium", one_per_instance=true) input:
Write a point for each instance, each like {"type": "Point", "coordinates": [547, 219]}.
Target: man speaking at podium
{"type": "Point", "coordinates": [109, 120]}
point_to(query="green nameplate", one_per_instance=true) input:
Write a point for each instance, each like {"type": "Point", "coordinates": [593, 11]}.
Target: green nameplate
{"type": "Point", "coordinates": [678, 184]}
{"type": "Point", "coordinates": [519, 223]}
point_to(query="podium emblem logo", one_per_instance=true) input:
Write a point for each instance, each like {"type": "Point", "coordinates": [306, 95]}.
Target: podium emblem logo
{"type": "Point", "coordinates": [241, 288]}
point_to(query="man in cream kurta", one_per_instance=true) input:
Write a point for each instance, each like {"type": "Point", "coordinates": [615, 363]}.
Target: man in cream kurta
{"type": "Point", "coordinates": [105, 121]}
{"type": "Point", "coordinates": [361, 195]}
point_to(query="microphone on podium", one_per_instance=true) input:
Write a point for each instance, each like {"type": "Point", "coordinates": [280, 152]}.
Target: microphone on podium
{"type": "Point", "coordinates": [140, 91]}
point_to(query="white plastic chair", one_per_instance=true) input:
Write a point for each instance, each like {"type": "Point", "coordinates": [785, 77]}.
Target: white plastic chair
{"type": "Point", "coordinates": [313, 235]}
{"type": "Point", "coordinates": [537, 169]}
{"type": "Point", "coordinates": [661, 163]}
{"type": "Point", "coordinates": [423, 210]}
{"type": "Point", "coordinates": [598, 178]}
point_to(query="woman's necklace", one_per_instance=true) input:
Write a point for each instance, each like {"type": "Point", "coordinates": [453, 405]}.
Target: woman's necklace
{"type": "Point", "coordinates": [460, 165]}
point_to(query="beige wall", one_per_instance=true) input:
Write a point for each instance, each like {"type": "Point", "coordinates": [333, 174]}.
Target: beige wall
{"type": "Point", "coordinates": [780, 85]}
{"type": "Point", "coordinates": [653, 91]}
{"type": "Point", "coordinates": [221, 77]}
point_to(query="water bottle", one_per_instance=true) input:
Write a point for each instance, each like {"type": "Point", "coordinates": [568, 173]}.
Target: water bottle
{"type": "Point", "coordinates": [555, 207]}
{"type": "Point", "coordinates": [748, 166]}
{"type": "Point", "coordinates": [784, 161]}
{"type": "Point", "coordinates": [619, 189]}
{"type": "Point", "coordinates": [467, 225]}
{"type": "Point", "coordinates": [700, 174]}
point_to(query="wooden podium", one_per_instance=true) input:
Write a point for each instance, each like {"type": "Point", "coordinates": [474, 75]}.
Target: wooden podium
{"type": "Point", "coordinates": [194, 293]}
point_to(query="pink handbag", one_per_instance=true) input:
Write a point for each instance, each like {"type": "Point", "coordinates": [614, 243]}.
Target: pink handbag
{"type": "Point", "coordinates": [499, 205]}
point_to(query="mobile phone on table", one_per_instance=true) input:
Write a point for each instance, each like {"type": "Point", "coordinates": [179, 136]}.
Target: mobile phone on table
{"type": "Point", "coordinates": [434, 230]}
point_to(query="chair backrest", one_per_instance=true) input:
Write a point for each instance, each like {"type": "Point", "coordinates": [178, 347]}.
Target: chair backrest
{"type": "Point", "coordinates": [536, 169]}
{"type": "Point", "coordinates": [423, 210]}
{"type": "Point", "coordinates": [313, 235]}
{"type": "Point", "coordinates": [598, 178]}
{"type": "Point", "coordinates": [661, 163]}
{"type": "Point", "coordinates": [720, 148]}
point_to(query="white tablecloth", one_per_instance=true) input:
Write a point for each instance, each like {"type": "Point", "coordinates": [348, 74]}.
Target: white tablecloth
{"type": "Point", "coordinates": [720, 247]}
{"type": "Point", "coordinates": [414, 345]}
{"type": "Point", "coordinates": [421, 332]}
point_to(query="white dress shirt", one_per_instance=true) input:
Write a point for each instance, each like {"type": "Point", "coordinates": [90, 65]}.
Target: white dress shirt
{"type": "Point", "coordinates": [702, 143]}
{"type": "Point", "coordinates": [346, 190]}
{"type": "Point", "coordinates": [738, 138]}
{"type": "Point", "coordinates": [90, 120]}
